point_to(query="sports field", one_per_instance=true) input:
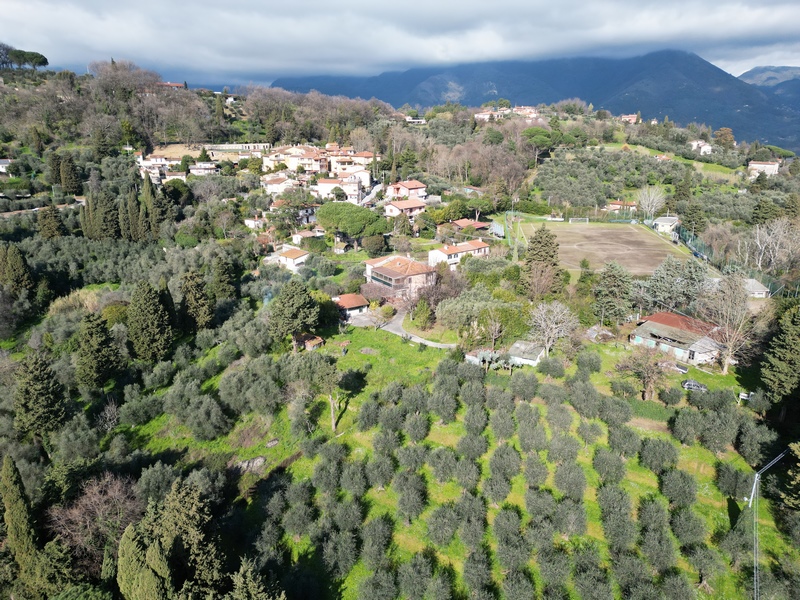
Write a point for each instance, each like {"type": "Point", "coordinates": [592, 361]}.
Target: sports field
{"type": "Point", "coordinates": [635, 247]}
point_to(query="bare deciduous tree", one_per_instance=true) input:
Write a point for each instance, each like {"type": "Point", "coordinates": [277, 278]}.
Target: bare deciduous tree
{"type": "Point", "coordinates": [650, 200]}
{"type": "Point", "coordinates": [97, 519]}
{"type": "Point", "coordinates": [550, 322]}
{"type": "Point", "coordinates": [725, 305]}
{"type": "Point", "coordinates": [645, 366]}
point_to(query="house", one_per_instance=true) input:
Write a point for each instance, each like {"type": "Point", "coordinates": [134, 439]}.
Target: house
{"type": "Point", "coordinates": [170, 175]}
{"type": "Point", "coordinates": [411, 189]}
{"type": "Point", "coordinates": [700, 146]}
{"type": "Point", "coordinates": [351, 304]}
{"type": "Point", "coordinates": [460, 224]}
{"type": "Point", "coordinates": [754, 288]}
{"type": "Point", "coordinates": [632, 119]}
{"type": "Point", "coordinates": [400, 275]}
{"type": "Point", "coordinates": [277, 184]}
{"type": "Point", "coordinates": [306, 214]}
{"type": "Point", "coordinates": [309, 341]}
{"type": "Point", "coordinates": [415, 120]}
{"type": "Point", "coordinates": [492, 115]}
{"type": "Point", "coordinates": [410, 208]}
{"type": "Point", "coordinates": [298, 237]}
{"type": "Point", "coordinates": [351, 186]}
{"type": "Point", "coordinates": [202, 169]}
{"type": "Point", "coordinates": [4, 164]}
{"type": "Point", "coordinates": [687, 339]}
{"type": "Point", "coordinates": [293, 258]}
{"type": "Point", "coordinates": [525, 353]}
{"type": "Point", "coordinates": [616, 206]}
{"type": "Point", "coordinates": [755, 168]}
{"type": "Point", "coordinates": [452, 255]}
{"type": "Point", "coordinates": [665, 224]}
{"type": "Point", "coordinates": [308, 159]}
{"type": "Point", "coordinates": [255, 223]}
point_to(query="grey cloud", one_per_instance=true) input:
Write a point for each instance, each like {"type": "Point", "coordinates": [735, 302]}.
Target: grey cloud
{"type": "Point", "coordinates": [255, 39]}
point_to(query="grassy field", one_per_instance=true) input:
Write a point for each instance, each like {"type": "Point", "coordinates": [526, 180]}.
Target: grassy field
{"type": "Point", "coordinates": [387, 358]}
{"type": "Point", "coordinates": [636, 247]}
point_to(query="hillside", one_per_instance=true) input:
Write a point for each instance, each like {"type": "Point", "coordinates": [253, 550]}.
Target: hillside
{"type": "Point", "coordinates": [676, 84]}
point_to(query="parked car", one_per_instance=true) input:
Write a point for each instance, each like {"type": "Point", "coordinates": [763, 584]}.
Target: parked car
{"type": "Point", "coordinates": [693, 386]}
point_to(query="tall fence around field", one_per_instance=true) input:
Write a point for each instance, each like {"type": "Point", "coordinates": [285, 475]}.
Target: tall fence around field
{"type": "Point", "coordinates": [705, 252]}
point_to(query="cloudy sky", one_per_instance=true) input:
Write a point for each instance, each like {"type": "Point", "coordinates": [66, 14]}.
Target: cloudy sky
{"type": "Point", "coordinates": [205, 42]}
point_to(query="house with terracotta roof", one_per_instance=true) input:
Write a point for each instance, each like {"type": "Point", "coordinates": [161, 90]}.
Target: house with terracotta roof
{"type": "Point", "coordinates": [616, 206]}
{"type": "Point", "coordinates": [460, 224]}
{"type": "Point", "coordinates": [310, 158]}
{"type": "Point", "coordinates": [277, 184]}
{"type": "Point", "coordinates": [351, 304]}
{"type": "Point", "coordinates": [351, 186]}
{"type": "Point", "coordinates": [452, 255]}
{"type": "Point", "coordinates": [410, 208]}
{"type": "Point", "coordinates": [688, 340]}
{"type": "Point", "coordinates": [293, 258]}
{"type": "Point", "coordinates": [299, 236]}
{"type": "Point", "coordinates": [400, 276]}
{"type": "Point", "coordinates": [411, 189]}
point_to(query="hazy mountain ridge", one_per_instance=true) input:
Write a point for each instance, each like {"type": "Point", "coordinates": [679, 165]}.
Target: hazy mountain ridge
{"type": "Point", "coordinates": [676, 84]}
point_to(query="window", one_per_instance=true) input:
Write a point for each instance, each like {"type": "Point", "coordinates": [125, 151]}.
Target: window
{"type": "Point", "coordinates": [691, 354]}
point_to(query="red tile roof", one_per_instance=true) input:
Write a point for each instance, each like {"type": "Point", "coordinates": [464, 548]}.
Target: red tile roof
{"type": "Point", "coordinates": [348, 301]}
{"type": "Point", "coordinates": [681, 322]}
{"type": "Point", "coordinates": [408, 204]}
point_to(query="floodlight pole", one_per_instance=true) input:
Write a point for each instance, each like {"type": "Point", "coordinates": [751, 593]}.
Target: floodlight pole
{"type": "Point", "coordinates": [754, 501]}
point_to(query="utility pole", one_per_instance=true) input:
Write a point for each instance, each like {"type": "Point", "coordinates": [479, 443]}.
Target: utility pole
{"type": "Point", "coordinates": [753, 503]}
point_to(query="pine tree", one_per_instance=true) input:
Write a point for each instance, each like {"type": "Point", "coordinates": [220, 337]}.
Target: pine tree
{"type": "Point", "coordinates": [70, 182]}
{"type": "Point", "coordinates": [100, 218]}
{"type": "Point", "coordinates": [683, 190]}
{"type": "Point", "coordinates": [613, 294]}
{"type": "Point", "coordinates": [541, 261]}
{"type": "Point", "coordinates": [39, 405]}
{"type": "Point", "coordinates": [50, 223]}
{"type": "Point", "coordinates": [203, 156]}
{"type": "Point", "coordinates": [141, 573]}
{"type": "Point", "coordinates": [97, 357]}
{"type": "Point", "coordinates": [792, 495]}
{"type": "Point", "coordinates": [148, 324]}
{"type": "Point", "coordinates": [160, 211]}
{"type": "Point", "coordinates": [780, 369]}
{"type": "Point", "coordinates": [196, 304]}
{"type": "Point", "coordinates": [54, 168]}
{"type": "Point", "coordinates": [292, 311]}
{"type": "Point", "coordinates": [693, 218]}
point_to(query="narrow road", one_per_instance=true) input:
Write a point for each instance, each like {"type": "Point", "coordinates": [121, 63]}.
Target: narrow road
{"type": "Point", "coordinates": [395, 326]}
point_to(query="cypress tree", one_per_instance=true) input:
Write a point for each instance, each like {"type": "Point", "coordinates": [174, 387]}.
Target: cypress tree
{"type": "Point", "coordinates": [20, 534]}
{"type": "Point", "coordinates": [50, 223]}
{"type": "Point", "coordinates": [780, 369]}
{"type": "Point", "coordinates": [133, 217]}
{"type": "Point", "coordinates": [54, 169]}
{"type": "Point", "coordinates": [97, 357]}
{"type": "Point", "coordinates": [196, 304]}
{"type": "Point", "coordinates": [223, 280]}
{"type": "Point", "coordinates": [148, 324]}
{"type": "Point", "coordinates": [70, 182]}
{"type": "Point", "coordinates": [124, 220]}
{"type": "Point", "coordinates": [161, 211]}
{"type": "Point", "coordinates": [17, 273]}
{"type": "Point", "coordinates": [39, 405]}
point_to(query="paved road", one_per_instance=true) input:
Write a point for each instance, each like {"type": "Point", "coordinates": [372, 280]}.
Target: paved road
{"type": "Point", "coordinates": [395, 326]}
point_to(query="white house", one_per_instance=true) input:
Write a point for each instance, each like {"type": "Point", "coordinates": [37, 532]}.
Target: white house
{"type": "Point", "coordinates": [452, 255]}
{"type": "Point", "coordinates": [255, 223]}
{"type": "Point", "coordinates": [688, 340]}
{"type": "Point", "coordinates": [351, 186]}
{"type": "Point", "coordinates": [351, 304]}
{"type": "Point", "coordinates": [299, 236]}
{"type": "Point", "coordinates": [665, 224]}
{"type": "Point", "coordinates": [4, 164]}
{"type": "Point", "coordinates": [275, 185]}
{"type": "Point", "coordinates": [703, 147]}
{"type": "Point", "coordinates": [399, 275]}
{"type": "Point", "coordinates": [754, 288]}
{"type": "Point", "coordinates": [202, 169]}
{"type": "Point", "coordinates": [410, 208]}
{"type": "Point", "coordinates": [411, 189]}
{"type": "Point", "coordinates": [525, 353]}
{"type": "Point", "coordinates": [754, 168]}
{"type": "Point", "coordinates": [293, 258]}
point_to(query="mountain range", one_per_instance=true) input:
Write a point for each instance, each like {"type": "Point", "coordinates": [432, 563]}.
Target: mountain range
{"type": "Point", "coordinates": [763, 104]}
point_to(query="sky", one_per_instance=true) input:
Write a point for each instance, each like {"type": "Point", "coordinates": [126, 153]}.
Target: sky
{"type": "Point", "coordinates": [256, 41]}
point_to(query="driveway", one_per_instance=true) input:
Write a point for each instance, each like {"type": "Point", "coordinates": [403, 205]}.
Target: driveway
{"type": "Point", "coordinates": [395, 326]}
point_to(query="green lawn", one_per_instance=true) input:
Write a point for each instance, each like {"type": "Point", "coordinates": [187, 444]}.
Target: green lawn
{"type": "Point", "coordinates": [385, 358]}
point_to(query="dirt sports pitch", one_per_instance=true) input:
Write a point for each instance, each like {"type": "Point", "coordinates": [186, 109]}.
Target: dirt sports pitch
{"type": "Point", "coordinates": [635, 247]}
